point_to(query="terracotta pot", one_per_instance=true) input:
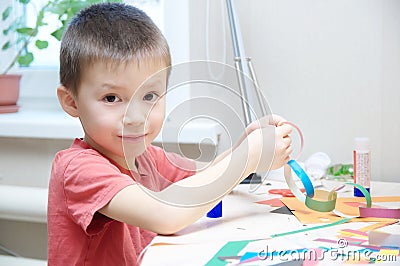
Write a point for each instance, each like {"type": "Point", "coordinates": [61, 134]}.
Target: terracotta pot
{"type": "Point", "coordinates": [9, 89]}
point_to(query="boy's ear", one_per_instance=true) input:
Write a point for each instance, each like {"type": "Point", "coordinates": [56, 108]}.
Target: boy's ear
{"type": "Point", "coordinates": [67, 101]}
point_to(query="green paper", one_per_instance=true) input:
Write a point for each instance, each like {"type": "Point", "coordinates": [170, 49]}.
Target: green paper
{"type": "Point", "coordinates": [364, 191]}
{"type": "Point", "coordinates": [229, 249]}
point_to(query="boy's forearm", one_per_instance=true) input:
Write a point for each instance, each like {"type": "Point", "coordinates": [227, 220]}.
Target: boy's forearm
{"type": "Point", "coordinates": [230, 150]}
{"type": "Point", "coordinates": [238, 162]}
{"type": "Point", "coordinates": [219, 179]}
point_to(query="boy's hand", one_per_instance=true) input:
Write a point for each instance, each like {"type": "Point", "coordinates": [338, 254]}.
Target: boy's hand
{"type": "Point", "coordinates": [269, 143]}
{"type": "Point", "coordinates": [283, 145]}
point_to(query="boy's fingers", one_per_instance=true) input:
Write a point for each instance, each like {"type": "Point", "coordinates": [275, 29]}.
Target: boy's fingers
{"type": "Point", "coordinates": [278, 120]}
{"type": "Point", "coordinates": [284, 129]}
{"type": "Point", "coordinates": [288, 141]}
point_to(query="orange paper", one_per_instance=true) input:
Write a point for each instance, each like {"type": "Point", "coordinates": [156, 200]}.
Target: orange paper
{"type": "Point", "coordinates": [306, 215]}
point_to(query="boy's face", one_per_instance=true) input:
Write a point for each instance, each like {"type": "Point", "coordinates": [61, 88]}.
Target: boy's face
{"type": "Point", "coordinates": [122, 108]}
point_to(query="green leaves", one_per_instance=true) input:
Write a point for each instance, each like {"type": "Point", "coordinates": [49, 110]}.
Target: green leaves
{"type": "Point", "coordinates": [26, 59]}
{"type": "Point", "coordinates": [27, 31]}
{"type": "Point", "coordinates": [58, 33]}
{"type": "Point", "coordinates": [6, 46]}
{"type": "Point", "coordinates": [6, 13]}
{"type": "Point", "coordinates": [41, 44]}
{"type": "Point", "coordinates": [19, 36]}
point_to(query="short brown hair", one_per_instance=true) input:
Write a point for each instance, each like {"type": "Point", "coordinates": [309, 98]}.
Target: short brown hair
{"type": "Point", "coordinates": [109, 32]}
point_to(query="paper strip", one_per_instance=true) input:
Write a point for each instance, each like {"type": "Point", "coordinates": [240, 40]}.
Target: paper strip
{"type": "Point", "coordinates": [353, 232]}
{"type": "Point", "coordinates": [377, 226]}
{"type": "Point", "coordinates": [344, 220]}
{"type": "Point", "coordinates": [353, 240]}
{"type": "Point", "coordinates": [303, 177]}
{"type": "Point", "coordinates": [292, 185]}
{"type": "Point", "coordinates": [380, 212]}
{"type": "Point", "coordinates": [363, 191]}
{"type": "Point", "coordinates": [326, 205]}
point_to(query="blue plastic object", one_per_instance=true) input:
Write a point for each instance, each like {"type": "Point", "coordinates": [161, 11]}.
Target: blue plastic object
{"type": "Point", "coordinates": [216, 212]}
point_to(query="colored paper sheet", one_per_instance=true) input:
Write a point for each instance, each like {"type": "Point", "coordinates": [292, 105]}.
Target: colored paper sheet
{"type": "Point", "coordinates": [283, 210]}
{"type": "Point", "coordinates": [351, 232]}
{"type": "Point", "coordinates": [306, 215]}
{"type": "Point", "coordinates": [389, 252]}
{"type": "Point", "coordinates": [378, 225]}
{"type": "Point", "coordinates": [276, 202]}
{"type": "Point", "coordinates": [229, 249]}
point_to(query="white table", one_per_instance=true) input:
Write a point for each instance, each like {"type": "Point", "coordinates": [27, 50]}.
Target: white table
{"type": "Point", "coordinates": [243, 220]}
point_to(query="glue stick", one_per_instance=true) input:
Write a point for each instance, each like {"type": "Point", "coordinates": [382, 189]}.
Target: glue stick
{"type": "Point", "coordinates": [362, 165]}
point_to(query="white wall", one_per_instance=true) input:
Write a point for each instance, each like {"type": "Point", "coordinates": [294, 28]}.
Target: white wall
{"type": "Point", "coordinates": [332, 67]}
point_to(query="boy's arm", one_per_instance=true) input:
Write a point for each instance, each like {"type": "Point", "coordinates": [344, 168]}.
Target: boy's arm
{"type": "Point", "coordinates": [139, 207]}
{"type": "Point", "coordinates": [277, 121]}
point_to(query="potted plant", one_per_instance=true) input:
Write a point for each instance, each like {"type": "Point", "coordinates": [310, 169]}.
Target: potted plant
{"type": "Point", "coordinates": [17, 37]}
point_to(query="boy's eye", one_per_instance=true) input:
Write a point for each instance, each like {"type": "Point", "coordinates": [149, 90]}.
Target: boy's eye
{"type": "Point", "coordinates": [150, 97]}
{"type": "Point", "coordinates": [111, 99]}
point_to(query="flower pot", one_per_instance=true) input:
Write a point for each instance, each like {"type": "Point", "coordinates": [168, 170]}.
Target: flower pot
{"type": "Point", "coordinates": [9, 93]}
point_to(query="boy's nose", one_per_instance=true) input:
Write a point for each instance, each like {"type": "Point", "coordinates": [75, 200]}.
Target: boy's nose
{"type": "Point", "coordinates": [132, 118]}
{"type": "Point", "coordinates": [135, 115]}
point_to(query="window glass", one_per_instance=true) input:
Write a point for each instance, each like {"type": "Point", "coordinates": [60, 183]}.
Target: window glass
{"type": "Point", "coordinates": [49, 57]}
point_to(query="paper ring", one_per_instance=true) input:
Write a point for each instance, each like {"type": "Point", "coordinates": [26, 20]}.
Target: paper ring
{"type": "Point", "coordinates": [365, 192]}
{"type": "Point", "coordinates": [322, 206]}
{"type": "Point", "coordinates": [291, 184]}
{"type": "Point", "coordinates": [367, 197]}
{"type": "Point", "coordinates": [308, 186]}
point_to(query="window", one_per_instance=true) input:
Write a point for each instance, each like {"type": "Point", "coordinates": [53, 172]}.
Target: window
{"type": "Point", "coordinates": [49, 57]}
{"type": "Point", "coordinates": [41, 79]}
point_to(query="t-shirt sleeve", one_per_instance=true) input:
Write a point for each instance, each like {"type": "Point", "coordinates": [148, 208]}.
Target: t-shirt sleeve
{"type": "Point", "coordinates": [90, 182]}
{"type": "Point", "coordinates": [172, 166]}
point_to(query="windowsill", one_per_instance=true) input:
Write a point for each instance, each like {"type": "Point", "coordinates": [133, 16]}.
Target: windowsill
{"type": "Point", "coordinates": [53, 123]}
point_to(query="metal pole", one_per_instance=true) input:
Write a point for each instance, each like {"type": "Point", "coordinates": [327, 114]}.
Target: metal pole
{"type": "Point", "coordinates": [239, 64]}
{"type": "Point", "coordinates": [244, 72]}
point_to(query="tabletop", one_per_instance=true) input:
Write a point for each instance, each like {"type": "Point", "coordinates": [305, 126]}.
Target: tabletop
{"type": "Point", "coordinates": [243, 219]}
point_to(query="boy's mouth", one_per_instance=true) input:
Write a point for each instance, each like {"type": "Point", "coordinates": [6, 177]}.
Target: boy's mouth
{"type": "Point", "coordinates": [133, 138]}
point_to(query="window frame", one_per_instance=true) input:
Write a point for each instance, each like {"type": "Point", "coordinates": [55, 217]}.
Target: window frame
{"type": "Point", "coordinates": [39, 83]}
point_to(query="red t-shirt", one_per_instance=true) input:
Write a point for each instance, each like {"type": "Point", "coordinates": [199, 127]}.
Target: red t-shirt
{"type": "Point", "coordinates": [82, 182]}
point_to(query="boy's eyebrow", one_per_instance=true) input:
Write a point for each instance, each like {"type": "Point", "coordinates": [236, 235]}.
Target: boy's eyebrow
{"type": "Point", "coordinates": [151, 83]}
{"type": "Point", "coordinates": [146, 85]}
{"type": "Point", "coordinates": [109, 86]}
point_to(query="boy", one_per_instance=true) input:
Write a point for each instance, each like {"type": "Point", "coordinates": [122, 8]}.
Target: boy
{"type": "Point", "coordinates": [97, 212]}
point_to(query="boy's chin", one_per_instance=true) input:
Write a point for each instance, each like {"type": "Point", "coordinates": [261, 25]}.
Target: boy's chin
{"type": "Point", "coordinates": [133, 152]}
